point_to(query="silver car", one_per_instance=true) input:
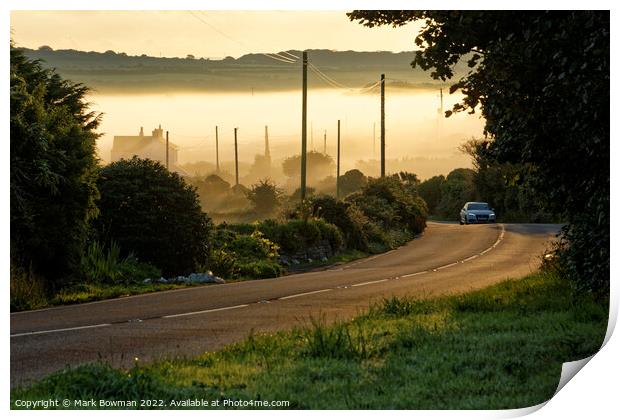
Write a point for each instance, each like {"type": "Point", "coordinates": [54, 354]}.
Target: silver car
{"type": "Point", "coordinates": [477, 212]}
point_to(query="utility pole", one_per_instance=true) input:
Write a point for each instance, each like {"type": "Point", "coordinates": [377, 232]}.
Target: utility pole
{"type": "Point", "coordinates": [304, 110]}
{"type": "Point", "coordinates": [236, 160]}
{"type": "Point", "coordinates": [325, 142]}
{"type": "Point", "coordinates": [167, 147]}
{"type": "Point", "coordinates": [382, 125]}
{"type": "Point", "coordinates": [338, 164]}
{"type": "Point", "coordinates": [217, 151]}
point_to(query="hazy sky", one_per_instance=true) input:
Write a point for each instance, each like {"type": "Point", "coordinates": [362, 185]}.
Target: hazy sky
{"type": "Point", "coordinates": [203, 33]}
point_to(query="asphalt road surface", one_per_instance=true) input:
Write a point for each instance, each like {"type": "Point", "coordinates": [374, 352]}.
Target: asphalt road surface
{"type": "Point", "coordinates": [446, 259]}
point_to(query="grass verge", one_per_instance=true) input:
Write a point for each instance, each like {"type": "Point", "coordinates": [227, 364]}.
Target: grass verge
{"type": "Point", "coordinates": [500, 347]}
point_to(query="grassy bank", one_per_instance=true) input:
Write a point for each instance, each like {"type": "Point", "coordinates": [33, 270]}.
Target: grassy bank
{"type": "Point", "coordinates": [501, 347]}
{"type": "Point", "coordinates": [35, 298]}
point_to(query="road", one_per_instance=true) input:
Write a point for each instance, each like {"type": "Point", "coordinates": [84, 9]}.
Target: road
{"type": "Point", "coordinates": [446, 259]}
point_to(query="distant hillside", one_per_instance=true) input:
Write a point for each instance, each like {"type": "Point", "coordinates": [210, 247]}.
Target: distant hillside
{"type": "Point", "coordinates": [111, 71]}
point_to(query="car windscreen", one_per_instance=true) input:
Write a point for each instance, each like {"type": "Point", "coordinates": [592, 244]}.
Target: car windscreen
{"type": "Point", "coordinates": [478, 206]}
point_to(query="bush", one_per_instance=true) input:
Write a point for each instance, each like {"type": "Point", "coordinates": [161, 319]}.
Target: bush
{"type": "Point", "coordinates": [296, 235]}
{"type": "Point", "coordinates": [392, 203]}
{"type": "Point", "coordinates": [265, 197]}
{"type": "Point", "coordinates": [153, 214]}
{"type": "Point", "coordinates": [237, 254]}
{"type": "Point", "coordinates": [53, 171]}
{"type": "Point", "coordinates": [346, 216]}
{"type": "Point", "coordinates": [261, 269]}
{"type": "Point", "coordinates": [430, 191]}
{"type": "Point", "coordinates": [106, 266]}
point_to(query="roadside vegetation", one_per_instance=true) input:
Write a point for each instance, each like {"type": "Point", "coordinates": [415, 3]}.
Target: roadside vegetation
{"type": "Point", "coordinates": [540, 80]}
{"type": "Point", "coordinates": [402, 354]}
{"type": "Point", "coordinates": [81, 231]}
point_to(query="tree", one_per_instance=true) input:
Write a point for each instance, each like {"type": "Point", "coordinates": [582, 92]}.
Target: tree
{"type": "Point", "coordinates": [153, 214]}
{"type": "Point", "coordinates": [352, 181]}
{"type": "Point", "coordinates": [318, 166]}
{"type": "Point", "coordinates": [265, 197]}
{"type": "Point", "coordinates": [215, 185]}
{"type": "Point", "coordinates": [507, 185]}
{"type": "Point", "coordinates": [53, 170]}
{"type": "Point", "coordinates": [458, 189]}
{"type": "Point", "coordinates": [430, 191]}
{"type": "Point", "coordinates": [541, 81]}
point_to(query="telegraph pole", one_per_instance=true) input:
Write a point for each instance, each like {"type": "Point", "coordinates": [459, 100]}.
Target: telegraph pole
{"type": "Point", "coordinates": [304, 110]}
{"type": "Point", "coordinates": [338, 164]}
{"type": "Point", "coordinates": [382, 125]}
{"type": "Point", "coordinates": [325, 142]}
{"type": "Point", "coordinates": [236, 160]}
{"type": "Point", "coordinates": [167, 147]}
{"type": "Point", "coordinates": [217, 152]}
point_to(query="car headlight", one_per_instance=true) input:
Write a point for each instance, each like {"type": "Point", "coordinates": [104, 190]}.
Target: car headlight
{"type": "Point", "coordinates": [471, 215]}
{"type": "Point", "coordinates": [492, 215]}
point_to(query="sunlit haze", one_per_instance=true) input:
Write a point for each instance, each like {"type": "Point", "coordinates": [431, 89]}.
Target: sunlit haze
{"type": "Point", "coordinates": [415, 131]}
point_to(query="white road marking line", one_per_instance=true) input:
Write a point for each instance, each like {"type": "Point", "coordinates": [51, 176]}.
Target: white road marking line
{"type": "Point", "coordinates": [369, 282]}
{"type": "Point", "coordinates": [304, 294]}
{"type": "Point", "coordinates": [414, 274]}
{"type": "Point", "coordinates": [60, 330]}
{"type": "Point", "coordinates": [470, 258]}
{"type": "Point", "coordinates": [446, 266]}
{"type": "Point", "coordinates": [500, 238]}
{"type": "Point", "coordinates": [205, 311]}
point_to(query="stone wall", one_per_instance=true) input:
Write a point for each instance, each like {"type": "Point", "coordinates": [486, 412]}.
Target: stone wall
{"type": "Point", "coordinates": [321, 251]}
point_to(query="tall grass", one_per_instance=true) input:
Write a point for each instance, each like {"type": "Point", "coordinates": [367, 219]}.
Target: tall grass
{"type": "Point", "coordinates": [103, 266]}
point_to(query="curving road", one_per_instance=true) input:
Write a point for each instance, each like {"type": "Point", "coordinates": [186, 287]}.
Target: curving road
{"type": "Point", "coordinates": [448, 258]}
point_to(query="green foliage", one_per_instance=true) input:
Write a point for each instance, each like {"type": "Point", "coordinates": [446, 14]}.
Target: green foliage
{"type": "Point", "coordinates": [430, 191]}
{"type": "Point", "coordinates": [393, 204]}
{"type": "Point", "coordinates": [338, 341]}
{"type": "Point", "coordinates": [542, 82]}
{"type": "Point", "coordinates": [497, 348]}
{"type": "Point", "coordinates": [223, 264]}
{"type": "Point", "coordinates": [153, 214]}
{"type": "Point", "coordinates": [101, 266]}
{"type": "Point", "coordinates": [457, 189]}
{"type": "Point", "coordinates": [238, 253]}
{"type": "Point", "coordinates": [296, 235]}
{"type": "Point", "coordinates": [265, 197]}
{"type": "Point", "coordinates": [352, 181]}
{"type": "Point", "coordinates": [28, 291]}
{"type": "Point", "coordinates": [508, 186]}
{"type": "Point", "coordinates": [346, 216]}
{"type": "Point", "coordinates": [317, 166]}
{"type": "Point", "coordinates": [261, 269]}
{"type": "Point", "coordinates": [53, 171]}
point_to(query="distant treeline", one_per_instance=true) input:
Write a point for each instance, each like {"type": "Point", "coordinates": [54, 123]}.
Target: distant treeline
{"type": "Point", "coordinates": [112, 70]}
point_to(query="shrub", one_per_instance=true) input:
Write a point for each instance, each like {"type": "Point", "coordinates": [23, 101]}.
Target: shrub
{"type": "Point", "coordinates": [222, 263]}
{"type": "Point", "coordinates": [53, 171]}
{"type": "Point", "coordinates": [261, 269]}
{"type": "Point", "coordinates": [106, 266]}
{"type": "Point", "coordinates": [346, 216]}
{"type": "Point", "coordinates": [352, 181]}
{"type": "Point", "coordinates": [393, 203]}
{"type": "Point", "coordinates": [237, 255]}
{"type": "Point", "coordinates": [265, 197]}
{"type": "Point", "coordinates": [330, 233]}
{"type": "Point", "coordinates": [153, 214]}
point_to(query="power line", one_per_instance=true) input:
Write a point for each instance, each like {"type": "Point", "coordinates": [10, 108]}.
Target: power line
{"type": "Point", "coordinates": [316, 69]}
{"type": "Point", "coordinates": [273, 56]}
{"type": "Point", "coordinates": [292, 55]}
